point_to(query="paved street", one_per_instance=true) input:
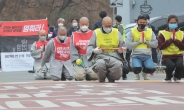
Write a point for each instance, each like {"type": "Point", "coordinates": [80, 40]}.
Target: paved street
{"type": "Point", "coordinates": [19, 90]}
{"type": "Point", "coordinates": [28, 77]}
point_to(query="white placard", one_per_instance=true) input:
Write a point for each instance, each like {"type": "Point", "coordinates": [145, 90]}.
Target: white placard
{"type": "Point", "coordinates": [49, 35]}
{"type": "Point", "coordinates": [16, 61]}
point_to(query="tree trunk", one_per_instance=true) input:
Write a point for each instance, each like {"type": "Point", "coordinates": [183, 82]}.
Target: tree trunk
{"type": "Point", "coordinates": [2, 4]}
{"type": "Point", "coordinates": [14, 10]}
{"type": "Point", "coordinates": [23, 7]}
{"type": "Point", "coordinates": [65, 4]}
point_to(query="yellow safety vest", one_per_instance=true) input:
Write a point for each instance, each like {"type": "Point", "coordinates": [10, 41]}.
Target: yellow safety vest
{"type": "Point", "coordinates": [172, 49]}
{"type": "Point", "coordinates": [136, 36]}
{"type": "Point", "coordinates": [110, 40]}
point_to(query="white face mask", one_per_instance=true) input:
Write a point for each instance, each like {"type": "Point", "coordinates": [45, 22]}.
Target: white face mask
{"type": "Point", "coordinates": [74, 24]}
{"type": "Point", "coordinates": [107, 30]}
{"type": "Point", "coordinates": [84, 28]}
{"type": "Point", "coordinates": [62, 37]}
{"type": "Point", "coordinates": [42, 38]}
{"type": "Point", "coordinates": [60, 24]}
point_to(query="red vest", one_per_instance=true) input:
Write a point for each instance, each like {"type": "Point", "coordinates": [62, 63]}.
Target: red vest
{"type": "Point", "coordinates": [62, 50]}
{"type": "Point", "coordinates": [81, 41]}
{"type": "Point", "coordinates": [39, 44]}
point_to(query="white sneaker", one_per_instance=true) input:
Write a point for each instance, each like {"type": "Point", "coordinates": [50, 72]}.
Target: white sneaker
{"type": "Point", "coordinates": [137, 77]}
{"type": "Point", "coordinates": [176, 80]}
{"type": "Point", "coordinates": [145, 76]}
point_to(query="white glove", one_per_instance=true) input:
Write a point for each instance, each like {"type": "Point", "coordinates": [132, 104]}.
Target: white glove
{"type": "Point", "coordinates": [97, 50]}
{"type": "Point", "coordinates": [120, 50]}
{"type": "Point", "coordinates": [40, 69]}
{"type": "Point", "coordinates": [142, 40]}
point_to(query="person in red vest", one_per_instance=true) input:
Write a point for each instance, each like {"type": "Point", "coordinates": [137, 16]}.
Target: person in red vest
{"type": "Point", "coordinates": [37, 51]}
{"type": "Point", "coordinates": [79, 42]}
{"type": "Point", "coordinates": [58, 51]}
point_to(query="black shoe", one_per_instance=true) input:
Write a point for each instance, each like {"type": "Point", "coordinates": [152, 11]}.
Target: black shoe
{"type": "Point", "coordinates": [176, 80]}
{"type": "Point", "coordinates": [111, 80]}
{"type": "Point", "coordinates": [31, 71]}
{"type": "Point", "coordinates": [63, 79]}
{"type": "Point", "coordinates": [124, 77]}
{"type": "Point", "coordinates": [70, 78]}
{"type": "Point", "coordinates": [102, 80]}
{"type": "Point", "coordinates": [168, 79]}
{"type": "Point", "coordinates": [88, 78]}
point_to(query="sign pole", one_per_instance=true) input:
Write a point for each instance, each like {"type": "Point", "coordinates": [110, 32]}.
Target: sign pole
{"type": "Point", "coordinates": [114, 4]}
{"type": "Point", "coordinates": [113, 14]}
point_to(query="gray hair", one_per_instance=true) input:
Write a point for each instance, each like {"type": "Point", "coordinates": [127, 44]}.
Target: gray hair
{"type": "Point", "coordinates": [61, 19]}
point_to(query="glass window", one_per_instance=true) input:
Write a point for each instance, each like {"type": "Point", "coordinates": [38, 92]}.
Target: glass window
{"type": "Point", "coordinates": [181, 23]}
{"type": "Point", "coordinates": [160, 24]}
{"type": "Point", "coordinates": [127, 30]}
{"type": "Point", "coordinates": [180, 19]}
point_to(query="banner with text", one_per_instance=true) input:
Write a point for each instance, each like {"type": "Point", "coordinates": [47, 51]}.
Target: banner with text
{"type": "Point", "coordinates": [23, 28]}
{"type": "Point", "coordinates": [16, 38]}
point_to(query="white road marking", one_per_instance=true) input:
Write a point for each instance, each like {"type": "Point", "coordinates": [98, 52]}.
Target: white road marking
{"type": "Point", "coordinates": [14, 104]}
{"type": "Point", "coordinates": [156, 92]}
{"type": "Point", "coordinates": [74, 104]}
{"type": "Point", "coordinates": [46, 103]}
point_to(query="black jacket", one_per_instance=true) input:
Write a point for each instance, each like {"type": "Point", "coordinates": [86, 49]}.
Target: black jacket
{"type": "Point", "coordinates": [98, 24]}
{"type": "Point", "coordinates": [69, 31]}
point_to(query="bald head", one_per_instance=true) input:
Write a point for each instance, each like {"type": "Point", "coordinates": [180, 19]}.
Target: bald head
{"type": "Point", "coordinates": [62, 31]}
{"type": "Point", "coordinates": [84, 21]}
{"type": "Point", "coordinates": [107, 22]}
{"type": "Point", "coordinates": [42, 33]}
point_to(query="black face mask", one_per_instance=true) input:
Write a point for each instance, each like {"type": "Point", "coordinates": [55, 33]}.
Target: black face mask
{"type": "Point", "coordinates": [142, 26]}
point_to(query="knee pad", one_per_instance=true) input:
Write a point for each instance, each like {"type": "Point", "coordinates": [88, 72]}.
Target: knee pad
{"type": "Point", "coordinates": [137, 70]}
{"type": "Point", "coordinates": [146, 70]}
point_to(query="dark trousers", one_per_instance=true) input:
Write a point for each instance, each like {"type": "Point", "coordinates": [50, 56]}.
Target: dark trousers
{"type": "Point", "coordinates": [128, 54]}
{"type": "Point", "coordinates": [171, 65]}
{"type": "Point", "coordinates": [154, 55]}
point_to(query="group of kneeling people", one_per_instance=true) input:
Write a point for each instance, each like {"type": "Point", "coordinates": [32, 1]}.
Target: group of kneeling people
{"type": "Point", "coordinates": [99, 54]}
